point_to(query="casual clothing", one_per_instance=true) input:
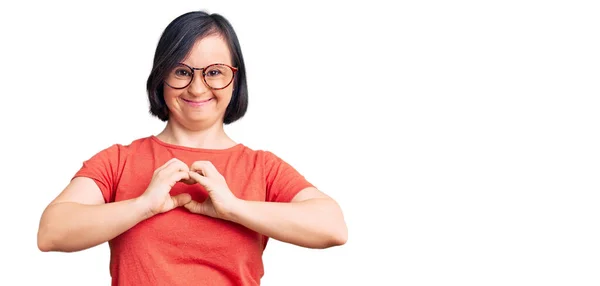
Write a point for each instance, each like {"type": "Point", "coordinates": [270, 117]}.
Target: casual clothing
{"type": "Point", "coordinates": [179, 247]}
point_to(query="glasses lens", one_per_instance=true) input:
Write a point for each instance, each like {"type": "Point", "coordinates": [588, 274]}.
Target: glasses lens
{"type": "Point", "coordinates": [218, 76]}
{"type": "Point", "coordinates": [180, 76]}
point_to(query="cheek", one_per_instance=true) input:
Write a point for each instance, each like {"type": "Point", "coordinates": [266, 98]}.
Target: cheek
{"type": "Point", "coordinates": [170, 96]}
{"type": "Point", "coordinates": [224, 96]}
{"type": "Point", "coordinates": [168, 93]}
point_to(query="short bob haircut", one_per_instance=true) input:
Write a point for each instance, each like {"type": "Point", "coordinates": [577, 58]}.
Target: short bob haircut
{"type": "Point", "coordinates": [174, 45]}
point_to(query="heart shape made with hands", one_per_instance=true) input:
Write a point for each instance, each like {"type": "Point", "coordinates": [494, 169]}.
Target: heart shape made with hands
{"type": "Point", "coordinates": [191, 181]}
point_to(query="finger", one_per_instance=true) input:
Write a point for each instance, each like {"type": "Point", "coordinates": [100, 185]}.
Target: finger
{"type": "Point", "coordinates": [205, 168]}
{"type": "Point", "coordinates": [194, 206]}
{"type": "Point", "coordinates": [199, 178]}
{"type": "Point", "coordinates": [181, 199]}
{"type": "Point", "coordinates": [178, 176]}
{"type": "Point", "coordinates": [176, 166]}
{"type": "Point", "coordinates": [168, 164]}
{"type": "Point", "coordinates": [199, 167]}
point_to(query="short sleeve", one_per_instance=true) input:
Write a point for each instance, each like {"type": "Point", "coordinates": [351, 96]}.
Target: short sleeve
{"type": "Point", "coordinates": [283, 181]}
{"type": "Point", "coordinates": [103, 169]}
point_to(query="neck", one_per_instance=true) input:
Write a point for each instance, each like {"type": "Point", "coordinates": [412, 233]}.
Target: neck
{"type": "Point", "coordinates": [211, 137]}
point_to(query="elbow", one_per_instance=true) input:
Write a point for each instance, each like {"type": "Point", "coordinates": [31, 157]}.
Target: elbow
{"type": "Point", "coordinates": [44, 242]}
{"type": "Point", "coordinates": [47, 242]}
{"type": "Point", "coordinates": [337, 234]}
{"type": "Point", "coordinates": [335, 238]}
{"type": "Point", "coordinates": [49, 235]}
{"type": "Point", "coordinates": [44, 246]}
{"type": "Point", "coordinates": [49, 238]}
{"type": "Point", "coordinates": [340, 237]}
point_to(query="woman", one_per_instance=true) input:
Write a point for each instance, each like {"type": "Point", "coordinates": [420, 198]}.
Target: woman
{"type": "Point", "coordinates": [190, 206]}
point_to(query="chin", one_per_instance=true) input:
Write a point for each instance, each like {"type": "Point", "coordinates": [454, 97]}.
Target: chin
{"type": "Point", "coordinates": [200, 121]}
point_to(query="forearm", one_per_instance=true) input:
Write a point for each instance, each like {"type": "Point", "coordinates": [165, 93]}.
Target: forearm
{"type": "Point", "coordinates": [314, 223]}
{"type": "Point", "coordinates": [69, 226]}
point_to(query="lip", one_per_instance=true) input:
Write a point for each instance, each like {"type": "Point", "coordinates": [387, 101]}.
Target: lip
{"type": "Point", "coordinates": [197, 103]}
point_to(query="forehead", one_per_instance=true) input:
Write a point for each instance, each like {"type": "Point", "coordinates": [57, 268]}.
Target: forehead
{"type": "Point", "coordinates": [209, 50]}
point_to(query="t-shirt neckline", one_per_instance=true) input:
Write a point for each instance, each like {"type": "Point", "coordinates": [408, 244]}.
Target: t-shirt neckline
{"type": "Point", "coordinates": [174, 146]}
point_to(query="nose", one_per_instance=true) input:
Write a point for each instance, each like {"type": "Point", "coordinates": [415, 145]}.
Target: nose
{"type": "Point", "coordinates": [198, 86]}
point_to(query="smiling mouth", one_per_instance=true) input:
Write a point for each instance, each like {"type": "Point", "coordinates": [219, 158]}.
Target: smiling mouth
{"type": "Point", "coordinates": [196, 103]}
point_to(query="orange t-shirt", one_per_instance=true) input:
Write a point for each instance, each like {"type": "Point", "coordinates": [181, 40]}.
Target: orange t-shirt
{"type": "Point", "coordinates": [179, 247]}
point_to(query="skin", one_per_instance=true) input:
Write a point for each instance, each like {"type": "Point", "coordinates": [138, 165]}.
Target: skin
{"type": "Point", "coordinates": [78, 218]}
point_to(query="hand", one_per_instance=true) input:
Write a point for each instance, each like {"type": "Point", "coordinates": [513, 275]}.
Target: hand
{"type": "Point", "coordinates": [221, 201]}
{"type": "Point", "coordinates": [156, 197]}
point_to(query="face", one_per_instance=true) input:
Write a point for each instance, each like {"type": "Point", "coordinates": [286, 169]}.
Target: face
{"type": "Point", "coordinates": [197, 105]}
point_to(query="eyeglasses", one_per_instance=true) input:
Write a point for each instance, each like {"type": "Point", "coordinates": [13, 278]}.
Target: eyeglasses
{"type": "Point", "coordinates": [215, 76]}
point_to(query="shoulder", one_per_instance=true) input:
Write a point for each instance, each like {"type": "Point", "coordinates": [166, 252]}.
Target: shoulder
{"type": "Point", "coordinates": [136, 144]}
{"type": "Point", "coordinates": [260, 155]}
{"type": "Point", "coordinates": [119, 151]}
{"type": "Point", "coordinates": [271, 162]}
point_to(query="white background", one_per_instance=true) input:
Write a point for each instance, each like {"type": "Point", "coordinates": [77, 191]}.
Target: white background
{"type": "Point", "coordinates": [460, 137]}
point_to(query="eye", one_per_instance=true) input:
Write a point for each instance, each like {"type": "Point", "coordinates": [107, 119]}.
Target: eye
{"type": "Point", "coordinates": [182, 72]}
{"type": "Point", "coordinates": [213, 72]}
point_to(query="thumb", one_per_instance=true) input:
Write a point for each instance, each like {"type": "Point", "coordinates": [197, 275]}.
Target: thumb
{"type": "Point", "coordinates": [181, 199]}
{"type": "Point", "coordinates": [194, 206]}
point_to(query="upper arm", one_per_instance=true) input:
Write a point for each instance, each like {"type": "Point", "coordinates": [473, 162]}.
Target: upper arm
{"type": "Point", "coordinates": [96, 180]}
{"type": "Point", "coordinates": [80, 190]}
{"type": "Point", "coordinates": [283, 182]}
